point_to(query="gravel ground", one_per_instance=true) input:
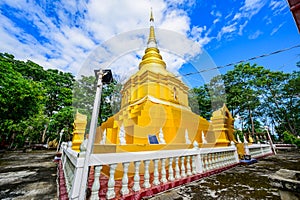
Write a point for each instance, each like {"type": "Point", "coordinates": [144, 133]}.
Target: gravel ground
{"type": "Point", "coordinates": [30, 175]}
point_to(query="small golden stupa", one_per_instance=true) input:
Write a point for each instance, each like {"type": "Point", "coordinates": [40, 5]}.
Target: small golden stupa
{"type": "Point", "coordinates": [79, 130]}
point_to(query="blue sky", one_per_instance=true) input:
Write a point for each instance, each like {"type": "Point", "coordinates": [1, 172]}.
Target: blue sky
{"type": "Point", "coordinates": [65, 34]}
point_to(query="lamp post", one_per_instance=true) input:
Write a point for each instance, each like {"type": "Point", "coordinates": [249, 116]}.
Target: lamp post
{"type": "Point", "coordinates": [270, 139]}
{"type": "Point", "coordinates": [104, 76]}
{"type": "Point", "coordinates": [242, 123]}
{"type": "Point", "coordinates": [60, 136]}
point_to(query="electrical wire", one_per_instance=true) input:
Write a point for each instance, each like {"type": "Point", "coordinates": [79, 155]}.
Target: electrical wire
{"type": "Point", "coordinates": [242, 61]}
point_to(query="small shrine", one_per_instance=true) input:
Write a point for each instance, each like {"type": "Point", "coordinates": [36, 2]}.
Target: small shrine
{"type": "Point", "coordinates": [79, 130]}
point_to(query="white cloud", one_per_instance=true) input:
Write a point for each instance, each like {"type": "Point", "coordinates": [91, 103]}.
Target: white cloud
{"type": "Point", "coordinates": [278, 6]}
{"type": "Point", "coordinates": [77, 27]}
{"type": "Point", "coordinates": [252, 7]}
{"type": "Point", "coordinates": [226, 29]}
{"type": "Point", "coordinates": [216, 13]}
{"type": "Point", "coordinates": [277, 28]}
{"type": "Point", "coordinates": [241, 27]}
{"type": "Point", "coordinates": [241, 18]}
{"type": "Point", "coordinates": [216, 21]}
{"type": "Point", "coordinates": [255, 35]}
{"type": "Point", "coordinates": [237, 16]}
{"type": "Point", "coordinates": [249, 9]}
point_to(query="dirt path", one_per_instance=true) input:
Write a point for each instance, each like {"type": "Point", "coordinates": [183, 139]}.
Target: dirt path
{"type": "Point", "coordinates": [29, 175]}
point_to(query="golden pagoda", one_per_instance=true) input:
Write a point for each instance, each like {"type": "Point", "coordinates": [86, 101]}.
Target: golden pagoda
{"type": "Point", "coordinates": [155, 115]}
{"type": "Point", "coordinates": [155, 110]}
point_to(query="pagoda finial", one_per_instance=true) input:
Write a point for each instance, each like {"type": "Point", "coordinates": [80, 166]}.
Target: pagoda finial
{"type": "Point", "coordinates": [151, 16]}
{"type": "Point", "coordinates": [151, 40]}
{"type": "Point", "coordinates": [152, 53]}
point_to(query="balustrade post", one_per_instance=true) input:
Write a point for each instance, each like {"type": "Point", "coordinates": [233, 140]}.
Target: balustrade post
{"type": "Point", "coordinates": [96, 184]}
{"type": "Point", "coordinates": [208, 162]}
{"type": "Point", "coordinates": [213, 161]}
{"type": "Point", "coordinates": [229, 158]}
{"type": "Point", "coordinates": [163, 171]}
{"type": "Point", "coordinates": [218, 160]}
{"type": "Point", "coordinates": [177, 170]}
{"type": "Point", "coordinates": [146, 174]}
{"type": "Point", "coordinates": [199, 163]}
{"type": "Point", "coordinates": [136, 186]}
{"type": "Point", "coordinates": [155, 173]}
{"type": "Point", "coordinates": [125, 189]}
{"type": "Point", "coordinates": [223, 159]}
{"type": "Point", "coordinates": [204, 162]}
{"type": "Point", "coordinates": [194, 171]}
{"type": "Point", "coordinates": [188, 166]}
{"type": "Point", "coordinates": [111, 182]}
{"type": "Point", "coordinates": [76, 183]}
{"type": "Point", "coordinates": [236, 155]}
{"type": "Point", "coordinates": [183, 174]}
{"type": "Point", "coordinates": [171, 172]}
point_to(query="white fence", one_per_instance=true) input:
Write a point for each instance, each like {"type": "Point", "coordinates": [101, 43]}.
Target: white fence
{"type": "Point", "coordinates": [174, 165]}
{"type": "Point", "coordinates": [258, 150]}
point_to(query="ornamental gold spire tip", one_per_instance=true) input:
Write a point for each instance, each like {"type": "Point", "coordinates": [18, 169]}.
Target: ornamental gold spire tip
{"type": "Point", "coordinates": [151, 40]}
{"type": "Point", "coordinates": [151, 16]}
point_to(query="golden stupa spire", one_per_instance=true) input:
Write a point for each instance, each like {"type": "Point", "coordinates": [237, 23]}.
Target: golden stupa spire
{"type": "Point", "coordinates": [151, 40]}
{"type": "Point", "coordinates": [151, 16]}
{"type": "Point", "coordinates": [152, 53]}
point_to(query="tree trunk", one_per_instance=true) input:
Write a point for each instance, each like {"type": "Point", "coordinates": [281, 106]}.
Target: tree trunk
{"type": "Point", "coordinates": [252, 123]}
{"type": "Point", "coordinates": [44, 133]}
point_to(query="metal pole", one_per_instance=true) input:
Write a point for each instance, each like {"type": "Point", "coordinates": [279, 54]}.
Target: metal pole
{"type": "Point", "coordinates": [60, 135]}
{"type": "Point", "coordinates": [91, 138]}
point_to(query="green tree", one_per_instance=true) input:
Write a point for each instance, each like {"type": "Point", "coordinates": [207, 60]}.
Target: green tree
{"type": "Point", "coordinates": [20, 98]}
{"type": "Point", "coordinates": [29, 97]}
{"type": "Point", "coordinates": [200, 101]}
{"type": "Point", "coordinates": [84, 96]}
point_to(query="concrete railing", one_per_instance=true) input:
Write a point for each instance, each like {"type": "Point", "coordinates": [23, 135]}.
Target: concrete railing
{"type": "Point", "coordinates": [258, 150]}
{"type": "Point", "coordinates": [174, 165]}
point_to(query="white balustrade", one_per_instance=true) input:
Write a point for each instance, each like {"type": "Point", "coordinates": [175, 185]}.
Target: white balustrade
{"type": "Point", "coordinates": [204, 162]}
{"type": "Point", "coordinates": [163, 171]}
{"type": "Point", "coordinates": [146, 174]}
{"type": "Point", "coordinates": [218, 160]}
{"type": "Point", "coordinates": [213, 161]}
{"type": "Point", "coordinates": [136, 179]}
{"type": "Point", "coordinates": [188, 166]}
{"type": "Point", "coordinates": [111, 182]}
{"type": "Point", "coordinates": [194, 165]}
{"type": "Point", "coordinates": [183, 174]}
{"type": "Point", "coordinates": [171, 172]}
{"type": "Point", "coordinates": [208, 162]}
{"type": "Point", "coordinates": [177, 170]}
{"type": "Point", "coordinates": [96, 184]}
{"type": "Point", "coordinates": [186, 163]}
{"type": "Point", "coordinates": [155, 173]}
{"type": "Point", "coordinates": [124, 189]}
